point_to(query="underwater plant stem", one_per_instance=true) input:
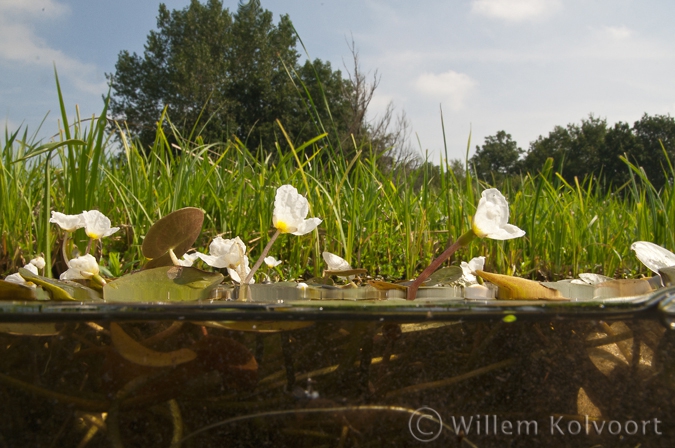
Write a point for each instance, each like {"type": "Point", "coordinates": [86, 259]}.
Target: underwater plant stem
{"type": "Point", "coordinates": [262, 256]}
{"type": "Point", "coordinates": [462, 241]}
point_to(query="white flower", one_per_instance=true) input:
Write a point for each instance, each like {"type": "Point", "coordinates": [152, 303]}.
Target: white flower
{"type": "Point", "coordinates": [335, 263]}
{"type": "Point", "coordinates": [230, 254]}
{"type": "Point", "coordinates": [188, 259]}
{"type": "Point", "coordinates": [491, 218]}
{"type": "Point", "coordinates": [653, 256]}
{"type": "Point", "coordinates": [290, 211]}
{"type": "Point", "coordinates": [241, 271]}
{"type": "Point", "coordinates": [18, 279]}
{"type": "Point", "coordinates": [97, 225]}
{"type": "Point", "coordinates": [469, 269]}
{"type": "Point", "coordinates": [224, 253]}
{"type": "Point", "coordinates": [303, 285]}
{"type": "Point", "coordinates": [81, 267]}
{"type": "Point", "coordinates": [69, 223]}
{"type": "Point", "coordinates": [38, 262]}
{"type": "Point", "coordinates": [272, 262]}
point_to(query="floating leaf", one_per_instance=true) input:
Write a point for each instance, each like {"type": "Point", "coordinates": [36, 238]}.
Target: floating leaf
{"type": "Point", "coordinates": [386, 286]}
{"type": "Point", "coordinates": [176, 231]}
{"type": "Point", "coordinates": [346, 272]}
{"type": "Point", "coordinates": [133, 351]}
{"type": "Point", "coordinates": [62, 289]}
{"type": "Point", "coordinates": [163, 284]}
{"type": "Point", "coordinates": [622, 288]}
{"type": "Point", "coordinates": [520, 288]}
{"type": "Point", "coordinates": [15, 291]}
{"type": "Point", "coordinates": [444, 276]}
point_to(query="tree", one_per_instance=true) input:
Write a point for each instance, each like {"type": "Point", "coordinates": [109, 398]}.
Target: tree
{"type": "Point", "coordinates": [575, 149]}
{"type": "Point", "coordinates": [222, 74]}
{"type": "Point", "coordinates": [654, 135]}
{"type": "Point", "coordinates": [497, 158]}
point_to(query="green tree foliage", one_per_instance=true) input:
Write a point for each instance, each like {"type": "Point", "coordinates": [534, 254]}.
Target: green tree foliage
{"type": "Point", "coordinates": [574, 149]}
{"type": "Point", "coordinates": [221, 75]}
{"type": "Point", "coordinates": [497, 158]}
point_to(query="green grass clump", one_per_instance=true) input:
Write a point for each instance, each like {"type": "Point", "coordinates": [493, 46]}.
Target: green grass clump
{"type": "Point", "coordinates": [387, 219]}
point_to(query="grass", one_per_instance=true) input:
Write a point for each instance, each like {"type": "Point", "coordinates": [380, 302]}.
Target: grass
{"type": "Point", "coordinates": [386, 219]}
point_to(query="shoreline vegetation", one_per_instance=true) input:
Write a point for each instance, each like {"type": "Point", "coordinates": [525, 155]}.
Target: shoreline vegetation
{"type": "Point", "coordinates": [390, 219]}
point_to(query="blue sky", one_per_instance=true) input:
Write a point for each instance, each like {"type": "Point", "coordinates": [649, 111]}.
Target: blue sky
{"type": "Point", "coordinates": [523, 66]}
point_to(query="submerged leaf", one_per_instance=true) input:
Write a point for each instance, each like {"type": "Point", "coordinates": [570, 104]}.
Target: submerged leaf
{"type": "Point", "coordinates": [163, 284]}
{"type": "Point", "coordinates": [176, 231]}
{"type": "Point", "coordinates": [133, 351]}
{"type": "Point", "coordinates": [259, 326]}
{"type": "Point", "coordinates": [29, 329]}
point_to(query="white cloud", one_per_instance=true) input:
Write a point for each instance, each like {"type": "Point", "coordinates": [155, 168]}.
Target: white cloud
{"type": "Point", "coordinates": [449, 87]}
{"type": "Point", "coordinates": [515, 10]}
{"type": "Point", "coordinates": [20, 45]}
{"type": "Point", "coordinates": [618, 32]}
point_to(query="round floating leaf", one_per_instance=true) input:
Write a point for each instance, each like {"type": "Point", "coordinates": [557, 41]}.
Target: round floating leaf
{"type": "Point", "coordinates": [15, 291]}
{"type": "Point", "coordinates": [163, 284]}
{"type": "Point", "coordinates": [176, 231]}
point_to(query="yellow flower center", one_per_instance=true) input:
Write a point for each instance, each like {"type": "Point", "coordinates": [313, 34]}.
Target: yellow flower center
{"type": "Point", "coordinates": [283, 227]}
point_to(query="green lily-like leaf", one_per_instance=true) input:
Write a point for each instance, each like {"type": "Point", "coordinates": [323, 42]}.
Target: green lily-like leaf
{"type": "Point", "coordinates": [177, 231]}
{"type": "Point", "coordinates": [444, 276]}
{"type": "Point", "coordinates": [62, 289]}
{"type": "Point", "coordinates": [163, 284]}
{"type": "Point", "coordinates": [15, 291]}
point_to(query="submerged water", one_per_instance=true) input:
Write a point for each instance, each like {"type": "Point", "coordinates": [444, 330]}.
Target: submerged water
{"type": "Point", "coordinates": [279, 372]}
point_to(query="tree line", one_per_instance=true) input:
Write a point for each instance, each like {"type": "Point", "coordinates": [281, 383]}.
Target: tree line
{"type": "Point", "coordinates": [223, 75]}
{"type": "Point", "coordinates": [591, 147]}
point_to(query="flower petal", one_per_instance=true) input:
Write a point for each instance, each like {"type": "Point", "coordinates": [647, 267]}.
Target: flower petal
{"type": "Point", "coordinates": [653, 256]}
{"type": "Point", "coordinates": [307, 226]}
{"type": "Point", "coordinates": [69, 223]}
{"type": "Point", "coordinates": [491, 218]}
{"type": "Point", "coordinates": [335, 263]}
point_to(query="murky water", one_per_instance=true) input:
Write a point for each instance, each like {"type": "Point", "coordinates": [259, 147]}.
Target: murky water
{"type": "Point", "coordinates": [274, 373]}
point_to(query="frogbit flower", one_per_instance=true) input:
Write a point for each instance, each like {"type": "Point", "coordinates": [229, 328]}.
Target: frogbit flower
{"type": "Point", "coordinates": [83, 267]}
{"type": "Point", "coordinates": [188, 260]}
{"type": "Point", "coordinates": [470, 268]}
{"type": "Point", "coordinates": [271, 262]}
{"type": "Point", "coordinates": [335, 263]}
{"type": "Point", "coordinates": [289, 216]}
{"type": "Point", "coordinates": [492, 216]}
{"type": "Point", "coordinates": [97, 225]}
{"type": "Point", "coordinates": [18, 278]}
{"type": "Point", "coordinates": [230, 254]}
{"type": "Point", "coordinates": [490, 221]}
{"type": "Point", "coordinates": [69, 223]}
{"type": "Point", "coordinates": [653, 256]}
{"type": "Point", "coordinates": [290, 211]}
{"type": "Point", "coordinates": [38, 262]}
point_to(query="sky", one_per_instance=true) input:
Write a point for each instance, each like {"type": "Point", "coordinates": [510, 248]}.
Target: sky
{"type": "Point", "coordinates": [522, 66]}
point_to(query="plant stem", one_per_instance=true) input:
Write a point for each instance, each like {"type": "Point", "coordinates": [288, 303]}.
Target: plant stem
{"type": "Point", "coordinates": [462, 241]}
{"type": "Point", "coordinates": [262, 256]}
